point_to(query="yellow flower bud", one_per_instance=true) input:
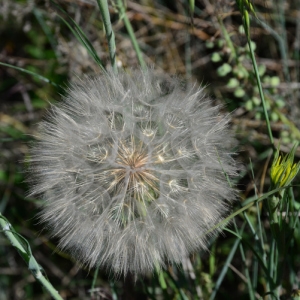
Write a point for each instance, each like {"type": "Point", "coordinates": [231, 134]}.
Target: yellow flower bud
{"type": "Point", "coordinates": [283, 169]}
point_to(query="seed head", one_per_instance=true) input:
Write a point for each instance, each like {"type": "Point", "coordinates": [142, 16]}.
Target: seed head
{"type": "Point", "coordinates": [132, 169]}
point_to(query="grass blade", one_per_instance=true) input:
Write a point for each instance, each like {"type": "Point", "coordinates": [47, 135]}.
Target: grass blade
{"type": "Point", "coordinates": [18, 242]}
{"type": "Point", "coordinates": [30, 73]}
{"type": "Point", "coordinates": [80, 35]}
{"type": "Point", "coordinates": [224, 269]}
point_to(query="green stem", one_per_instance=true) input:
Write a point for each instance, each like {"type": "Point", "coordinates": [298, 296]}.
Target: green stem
{"type": "Point", "coordinates": [161, 277]}
{"type": "Point", "coordinates": [17, 242]}
{"type": "Point", "coordinates": [94, 280]}
{"type": "Point", "coordinates": [229, 43]}
{"type": "Point", "coordinates": [260, 90]}
{"type": "Point", "coordinates": [246, 269]}
{"type": "Point", "coordinates": [246, 205]}
{"type": "Point", "coordinates": [246, 23]}
{"type": "Point", "coordinates": [103, 6]}
{"type": "Point", "coordinates": [131, 34]}
{"type": "Point", "coordinates": [273, 202]}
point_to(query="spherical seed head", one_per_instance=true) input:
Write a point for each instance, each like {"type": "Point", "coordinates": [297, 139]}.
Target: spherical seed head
{"type": "Point", "coordinates": [133, 170]}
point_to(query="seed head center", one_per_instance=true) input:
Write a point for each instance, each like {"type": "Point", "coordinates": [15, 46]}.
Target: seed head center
{"type": "Point", "coordinates": [139, 180]}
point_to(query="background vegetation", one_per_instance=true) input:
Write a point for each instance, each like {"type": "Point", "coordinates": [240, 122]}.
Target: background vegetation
{"type": "Point", "coordinates": [258, 257]}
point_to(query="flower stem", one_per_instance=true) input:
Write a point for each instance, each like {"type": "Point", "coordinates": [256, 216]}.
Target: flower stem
{"type": "Point", "coordinates": [247, 30]}
{"type": "Point", "coordinates": [161, 277]}
{"type": "Point", "coordinates": [244, 6]}
{"type": "Point", "coordinates": [131, 34]}
{"type": "Point", "coordinates": [94, 279]}
{"type": "Point", "coordinates": [19, 242]}
{"type": "Point", "coordinates": [103, 6]}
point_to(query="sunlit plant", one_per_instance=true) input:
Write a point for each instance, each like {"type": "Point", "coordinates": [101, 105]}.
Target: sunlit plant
{"type": "Point", "coordinates": [133, 170]}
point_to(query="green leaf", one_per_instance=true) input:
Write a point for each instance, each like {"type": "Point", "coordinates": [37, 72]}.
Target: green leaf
{"type": "Point", "coordinates": [233, 83]}
{"type": "Point", "coordinates": [239, 92]}
{"type": "Point", "coordinates": [224, 70]}
{"type": "Point", "coordinates": [216, 57]}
